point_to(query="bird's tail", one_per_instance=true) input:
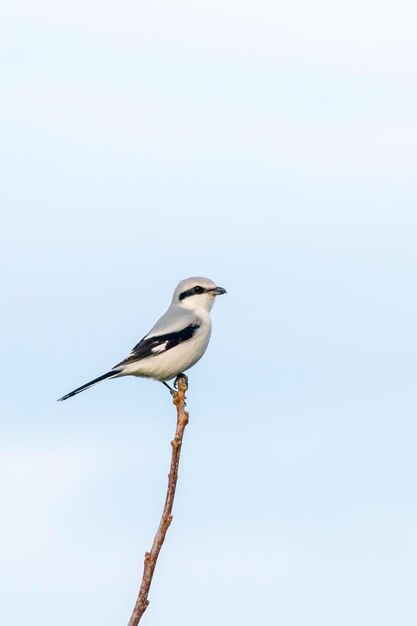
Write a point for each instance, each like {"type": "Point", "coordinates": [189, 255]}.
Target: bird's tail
{"type": "Point", "coordinates": [110, 374]}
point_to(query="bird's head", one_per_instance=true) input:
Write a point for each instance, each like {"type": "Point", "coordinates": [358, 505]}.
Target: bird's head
{"type": "Point", "coordinates": [197, 293]}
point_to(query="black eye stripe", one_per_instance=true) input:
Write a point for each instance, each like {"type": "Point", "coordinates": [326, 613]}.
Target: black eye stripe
{"type": "Point", "coordinates": [192, 292]}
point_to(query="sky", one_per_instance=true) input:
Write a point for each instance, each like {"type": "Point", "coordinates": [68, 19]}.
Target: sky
{"type": "Point", "coordinates": [271, 147]}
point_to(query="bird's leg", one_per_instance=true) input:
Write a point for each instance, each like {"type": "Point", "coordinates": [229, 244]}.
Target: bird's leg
{"type": "Point", "coordinates": [171, 390]}
{"type": "Point", "coordinates": [181, 375]}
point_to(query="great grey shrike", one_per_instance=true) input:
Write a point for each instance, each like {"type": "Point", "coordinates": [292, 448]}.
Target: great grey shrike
{"type": "Point", "coordinates": [176, 342]}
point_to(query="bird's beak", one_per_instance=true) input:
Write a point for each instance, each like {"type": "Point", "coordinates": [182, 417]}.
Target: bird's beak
{"type": "Point", "coordinates": [218, 291]}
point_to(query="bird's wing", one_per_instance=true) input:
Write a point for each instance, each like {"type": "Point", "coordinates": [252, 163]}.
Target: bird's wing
{"type": "Point", "coordinates": [173, 320]}
{"type": "Point", "coordinates": [156, 344]}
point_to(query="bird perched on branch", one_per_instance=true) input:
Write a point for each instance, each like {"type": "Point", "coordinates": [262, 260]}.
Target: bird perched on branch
{"type": "Point", "coordinates": [176, 342]}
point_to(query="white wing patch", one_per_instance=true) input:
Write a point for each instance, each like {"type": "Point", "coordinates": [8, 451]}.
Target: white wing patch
{"type": "Point", "coordinates": [160, 348]}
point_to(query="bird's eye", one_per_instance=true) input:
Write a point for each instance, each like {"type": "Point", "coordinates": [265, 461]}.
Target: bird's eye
{"type": "Point", "coordinates": [198, 289]}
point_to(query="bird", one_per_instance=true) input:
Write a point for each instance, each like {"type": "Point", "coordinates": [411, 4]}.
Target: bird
{"type": "Point", "coordinates": [175, 343]}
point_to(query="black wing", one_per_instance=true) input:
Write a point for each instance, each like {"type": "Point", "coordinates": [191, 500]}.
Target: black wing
{"type": "Point", "coordinates": [152, 346]}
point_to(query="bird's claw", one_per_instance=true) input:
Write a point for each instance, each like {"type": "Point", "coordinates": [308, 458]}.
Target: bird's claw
{"type": "Point", "coordinates": [181, 375]}
{"type": "Point", "coordinates": [174, 391]}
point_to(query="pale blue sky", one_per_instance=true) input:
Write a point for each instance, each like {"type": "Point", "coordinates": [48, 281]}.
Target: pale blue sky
{"type": "Point", "coordinates": [272, 147]}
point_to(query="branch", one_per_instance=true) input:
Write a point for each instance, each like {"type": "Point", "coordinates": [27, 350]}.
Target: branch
{"type": "Point", "coordinates": [166, 518]}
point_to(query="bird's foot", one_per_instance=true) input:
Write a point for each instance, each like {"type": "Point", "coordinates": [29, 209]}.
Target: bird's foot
{"type": "Point", "coordinates": [181, 375]}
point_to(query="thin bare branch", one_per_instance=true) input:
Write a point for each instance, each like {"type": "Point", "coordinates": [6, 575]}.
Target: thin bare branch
{"type": "Point", "coordinates": [166, 518]}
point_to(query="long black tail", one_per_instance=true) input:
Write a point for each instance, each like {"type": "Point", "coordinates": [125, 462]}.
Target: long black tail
{"type": "Point", "coordinates": [90, 384]}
